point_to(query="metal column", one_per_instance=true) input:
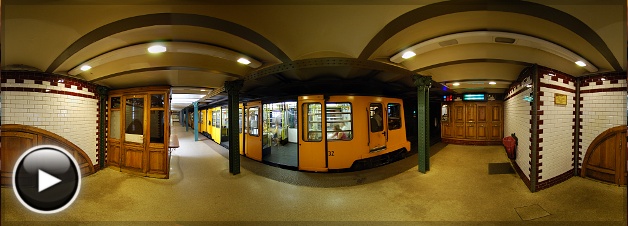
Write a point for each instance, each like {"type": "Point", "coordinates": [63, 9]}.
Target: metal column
{"type": "Point", "coordinates": [423, 84]}
{"type": "Point", "coordinates": [185, 121]}
{"type": "Point", "coordinates": [233, 90]}
{"type": "Point", "coordinates": [196, 121]}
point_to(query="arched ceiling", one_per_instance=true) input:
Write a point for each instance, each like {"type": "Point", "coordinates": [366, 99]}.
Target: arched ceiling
{"type": "Point", "coordinates": [309, 41]}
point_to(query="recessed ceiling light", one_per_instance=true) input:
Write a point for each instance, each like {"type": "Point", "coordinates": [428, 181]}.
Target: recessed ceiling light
{"type": "Point", "coordinates": [85, 67]}
{"type": "Point", "coordinates": [456, 84]}
{"type": "Point", "coordinates": [244, 61]}
{"type": "Point", "coordinates": [408, 54]}
{"type": "Point", "coordinates": [157, 49]}
{"type": "Point", "coordinates": [603, 79]}
{"type": "Point", "coordinates": [492, 83]}
{"type": "Point", "coordinates": [580, 63]}
{"type": "Point", "coordinates": [202, 90]}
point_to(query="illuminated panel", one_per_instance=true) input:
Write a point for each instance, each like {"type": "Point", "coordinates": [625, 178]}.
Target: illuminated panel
{"type": "Point", "coordinates": [474, 97]}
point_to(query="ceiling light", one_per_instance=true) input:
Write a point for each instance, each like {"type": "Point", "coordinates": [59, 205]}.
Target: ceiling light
{"type": "Point", "coordinates": [456, 84]}
{"type": "Point", "coordinates": [492, 37]}
{"type": "Point", "coordinates": [580, 63]}
{"type": "Point", "coordinates": [550, 74]}
{"type": "Point", "coordinates": [85, 67]}
{"type": "Point", "coordinates": [202, 90]}
{"type": "Point", "coordinates": [492, 83]}
{"type": "Point", "coordinates": [408, 54]}
{"type": "Point", "coordinates": [528, 85]}
{"type": "Point", "coordinates": [173, 47]}
{"type": "Point", "coordinates": [244, 61]}
{"type": "Point", "coordinates": [157, 49]}
{"type": "Point", "coordinates": [603, 79]}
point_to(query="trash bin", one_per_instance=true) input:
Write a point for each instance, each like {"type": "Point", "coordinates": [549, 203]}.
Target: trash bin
{"type": "Point", "coordinates": [509, 144]}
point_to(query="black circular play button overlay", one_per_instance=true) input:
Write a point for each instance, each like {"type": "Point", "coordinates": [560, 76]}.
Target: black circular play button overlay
{"type": "Point", "coordinates": [46, 179]}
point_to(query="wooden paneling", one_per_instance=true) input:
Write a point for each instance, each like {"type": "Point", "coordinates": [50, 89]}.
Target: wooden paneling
{"type": "Point", "coordinates": [133, 157]}
{"type": "Point", "coordinates": [447, 130]}
{"type": "Point", "coordinates": [459, 130]}
{"type": "Point", "coordinates": [470, 131]}
{"type": "Point", "coordinates": [475, 121]}
{"type": "Point", "coordinates": [481, 133]}
{"type": "Point", "coordinates": [458, 113]}
{"type": "Point", "coordinates": [16, 139]}
{"type": "Point", "coordinates": [156, 162]}
{"type": "Point", "coordinates": [113, 153]}
{"type": "Point", "coordinates": [482, 114]}
{"type": "Point", "coordinates": [605, 157]}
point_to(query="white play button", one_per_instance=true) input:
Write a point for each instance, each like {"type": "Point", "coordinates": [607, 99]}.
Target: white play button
{"type": "Point", "coordinates": [46, 180]}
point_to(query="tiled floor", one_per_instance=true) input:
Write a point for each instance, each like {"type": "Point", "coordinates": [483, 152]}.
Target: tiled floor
{"type": "Point", "coordinates": [458, 191]}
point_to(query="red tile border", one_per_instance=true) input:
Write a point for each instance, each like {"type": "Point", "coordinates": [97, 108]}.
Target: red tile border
{"type": "Point", "coordinates": [39, 90]}
{"type": "Point", "coordinates": [554, 180]}
{"type": "Point", "coordinates": [616, 89]}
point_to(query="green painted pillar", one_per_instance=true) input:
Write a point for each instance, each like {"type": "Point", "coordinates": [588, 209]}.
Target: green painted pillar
{"type": "Point", "coordinates": [423, 84]}
{"type": "Point", "coordinates": [196, 121]}
{"type": "Point", "coordinates": [233, 90]}
{"type": "Point", "coordinates": [103, 94]}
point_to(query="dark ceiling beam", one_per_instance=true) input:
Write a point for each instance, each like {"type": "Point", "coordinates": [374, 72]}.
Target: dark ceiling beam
{"type": "Point", "coordinates": [167, 19]}
{"type": "Point", "coordinates": [520, 7]}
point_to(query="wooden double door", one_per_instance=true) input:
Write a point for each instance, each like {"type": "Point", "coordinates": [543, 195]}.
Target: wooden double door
{"type": "Point", "coordinates": [481, 121]}
{"type": "Point", "coordinates": [605, 159]}
{"type": "Point", "coordinates": [139, 131]}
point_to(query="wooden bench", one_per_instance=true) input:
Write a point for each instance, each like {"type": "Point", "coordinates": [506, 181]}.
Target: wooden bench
{"type": "Point", "coordinates": [174, 143]}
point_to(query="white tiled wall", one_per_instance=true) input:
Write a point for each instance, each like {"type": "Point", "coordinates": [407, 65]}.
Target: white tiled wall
{"type": "Point", "coordinates": [73, 118]}
{"type": "Point", "coordinates": [517, 120]}
{"type": "Point", "coordinates": [601, 111]}
{"type": "Point", "coordinates": [558, 122]}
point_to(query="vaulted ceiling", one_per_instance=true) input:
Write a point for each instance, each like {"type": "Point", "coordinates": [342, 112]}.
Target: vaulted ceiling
{"type": "Point", "coordinates": [294, 44]}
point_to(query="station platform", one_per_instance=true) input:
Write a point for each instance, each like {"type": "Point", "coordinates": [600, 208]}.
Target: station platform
{"type": "Point", "coordinates": [459, 189]}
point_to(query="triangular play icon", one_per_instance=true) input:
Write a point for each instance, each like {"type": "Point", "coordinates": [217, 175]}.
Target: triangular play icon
{"type": "Point", "coordinates": [46, 180]}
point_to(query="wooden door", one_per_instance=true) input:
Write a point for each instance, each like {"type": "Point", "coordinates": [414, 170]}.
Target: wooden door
{"type": "Point", "coordinates": [253, 131]}
{"type": "Point", "coordinates": [605, 158]}
{"type": "Point", "coordinates": [496, 122]}
{"type": "Point", "coordinates": [482, 119]}
{"type": "Point", "coordinates": [134, 141]}
{"type": "Point", "coordinates": [311, 124]}
{"type": "Point", "coordinates": [458, 125]}
{"type": "Point", "coordinates": [471, 120]}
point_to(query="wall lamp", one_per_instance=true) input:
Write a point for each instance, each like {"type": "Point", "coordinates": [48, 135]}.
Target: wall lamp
{"type": "Point", "coordinates": [474, 37]}
{"type": "Point", "coordinates": [173, 47]}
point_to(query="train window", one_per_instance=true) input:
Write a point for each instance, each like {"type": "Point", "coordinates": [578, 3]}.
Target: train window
{"type": "Point", "coordinates": [376, 118]}
{"type": "Point", "coordinates": [312, 122]}
{"type": "Point", "coordinates": [240, 120]}
{"type": "Point", "coordinates": [252, 123]}
{"type": "Point", "coordinates": [338, 121]}
{"type": "Point", "coordinates": [394, 116]}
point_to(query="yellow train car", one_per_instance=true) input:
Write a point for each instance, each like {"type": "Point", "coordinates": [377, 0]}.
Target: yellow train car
{"type": "Point", "coordinates": [322, 134]}
{"type": "Point", "coordinates": [216, 124]}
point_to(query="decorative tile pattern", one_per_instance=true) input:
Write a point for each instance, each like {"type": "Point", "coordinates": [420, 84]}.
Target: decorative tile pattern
{"type": "Point", "coordinates": [556, 122]}
{"type": "Point", "coordinates": [61, 105]}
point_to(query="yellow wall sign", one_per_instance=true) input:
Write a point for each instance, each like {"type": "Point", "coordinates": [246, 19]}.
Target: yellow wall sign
{"type": "Point", "coordinates": [560, 99]}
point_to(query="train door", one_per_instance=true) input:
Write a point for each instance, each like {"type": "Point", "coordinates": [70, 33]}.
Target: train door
{"type": "Point", "coordinates": [377, 130]}
{"type": "Point", "coordinates": [240, 128]}
{"type": "Point", "coordinates": [253, 136]}
{"type": "Point", "coordinates": [312, 142]}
